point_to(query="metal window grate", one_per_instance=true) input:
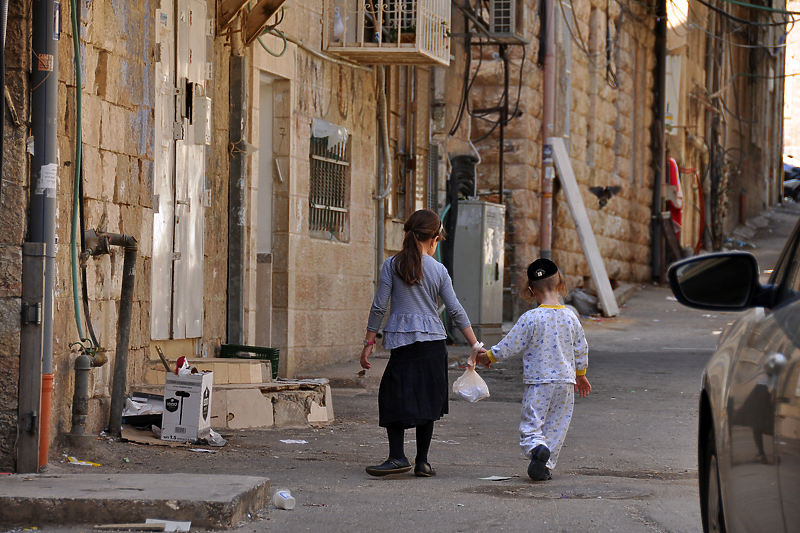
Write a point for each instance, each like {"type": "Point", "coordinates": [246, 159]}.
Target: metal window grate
{"type": "Point", "coordinates": [328, 196]}
{"type": "Point", "coordinates": [502, 21]}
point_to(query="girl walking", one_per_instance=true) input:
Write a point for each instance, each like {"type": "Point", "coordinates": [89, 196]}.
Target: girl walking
{"type": "Point", "coordinates": [414, 387]}
{"type": "Point", "coordinates": [555, 358]}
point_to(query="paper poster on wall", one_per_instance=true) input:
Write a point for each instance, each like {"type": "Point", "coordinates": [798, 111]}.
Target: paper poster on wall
{"type": "Point", "coordinates": [48, 175]}
{"type": "Point", "coordinates": [673, 91]}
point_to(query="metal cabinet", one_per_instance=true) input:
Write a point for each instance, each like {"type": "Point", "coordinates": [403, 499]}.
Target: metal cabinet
{"type": "Point", "coordinates": [478, 267]}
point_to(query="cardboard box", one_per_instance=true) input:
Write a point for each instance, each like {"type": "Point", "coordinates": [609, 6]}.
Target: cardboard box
{"type": "Point", "coordinates": [187, 407]}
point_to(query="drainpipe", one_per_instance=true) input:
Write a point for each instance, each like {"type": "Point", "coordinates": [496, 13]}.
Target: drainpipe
{"type": "Point", "coordinates": [384, 167]}
{"type": "Point", "coordinates": [237, 186]}
{"type": "Point", "coordinates": [660, 150]}
{"type": "Point", "coordinates": [44, 168]}
{"type": "Point", "coordinates": [98, 244]}
{"type": "Point", "coordinates": [4, 14]}
{"type": "Point", "coordinates": [548, 129]}
{"type": "Point", "coordinates": [501, 170]}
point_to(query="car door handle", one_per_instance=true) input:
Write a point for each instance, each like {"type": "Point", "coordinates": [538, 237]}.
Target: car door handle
{"type": "Point", "coordinates": [775, 363]}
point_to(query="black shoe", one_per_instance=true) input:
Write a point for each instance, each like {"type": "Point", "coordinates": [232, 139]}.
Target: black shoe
{"type": "Point", "coordinates": [424, 469]}
{"type": "Point", "coordinates": [547, 475]}
{"type": "Point", "coordinates": [390, 466]}
{"type": "Point", "coordinates": [538, 467]}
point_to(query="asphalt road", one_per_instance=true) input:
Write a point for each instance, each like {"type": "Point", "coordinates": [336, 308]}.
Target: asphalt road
{"type": "Point", "coordinates": [628, 465]}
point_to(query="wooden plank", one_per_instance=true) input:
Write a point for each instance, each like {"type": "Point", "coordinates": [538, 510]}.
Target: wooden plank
{"type": "Point", "coordinates": [30, 360]}
{"type": "Point", "coordinates": [258, 18]}
{"type": "Point", "coordinates": [596, 266]}
{"type": "Point", "coordinates": [131, 527]}
{"type": "Point", "coordinates": [228, 9]}
{"type": "Point", "coordinates": [668, 231]}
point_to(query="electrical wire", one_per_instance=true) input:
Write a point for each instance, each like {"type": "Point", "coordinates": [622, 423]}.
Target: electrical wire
{"type": "Point", "coordinates": [691, 14]}
{"type": "Point", "coordinates": [762, 8]}
{"type": "Point", "coordinates": [582, 46]}
{"type": "Point", "coordinates": [77, 169]}
{"type": "Point", "coordinates": [742, 21]}
{"type": "Point", "coordinates": [504, 103]}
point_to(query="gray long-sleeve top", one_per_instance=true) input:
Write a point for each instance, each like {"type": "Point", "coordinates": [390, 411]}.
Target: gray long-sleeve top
{"type": "Point", "coordinates": [413, 315]}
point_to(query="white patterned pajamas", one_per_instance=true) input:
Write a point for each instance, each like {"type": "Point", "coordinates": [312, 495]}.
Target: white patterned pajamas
{"type": "Point", "coordinates": [554, 353]}
{"type": "Point", "coordinates": [546, 414]}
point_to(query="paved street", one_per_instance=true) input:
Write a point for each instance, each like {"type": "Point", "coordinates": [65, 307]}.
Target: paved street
{"type": "Point", "coordinates": [628, 464]}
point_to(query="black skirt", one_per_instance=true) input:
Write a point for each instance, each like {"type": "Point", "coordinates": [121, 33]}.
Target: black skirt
{"type": "Point", "coordinates": [414, 387]}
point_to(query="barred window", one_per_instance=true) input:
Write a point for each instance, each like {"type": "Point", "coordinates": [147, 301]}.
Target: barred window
{"type": "Point", "coordinates": [329, 194]}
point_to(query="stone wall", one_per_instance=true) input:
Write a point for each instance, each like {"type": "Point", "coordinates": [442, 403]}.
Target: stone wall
{"type": "Point", "coordinates": [117, 115]}
{"type": "Point", "coordinates": [604, 113]}
{"type": "Point", "coordinates": [14, 198]}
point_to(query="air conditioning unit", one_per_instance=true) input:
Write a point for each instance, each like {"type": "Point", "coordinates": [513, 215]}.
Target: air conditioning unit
{"type": "Point", "coordinates": [507, 21]}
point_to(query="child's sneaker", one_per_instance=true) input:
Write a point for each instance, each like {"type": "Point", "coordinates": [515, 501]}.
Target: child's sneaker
{"type": "Point", "coordinates": [537, 470]}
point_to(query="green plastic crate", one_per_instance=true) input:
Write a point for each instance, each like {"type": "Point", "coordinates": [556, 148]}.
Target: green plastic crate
{"type": "Point", "coordinates": [240, 351]}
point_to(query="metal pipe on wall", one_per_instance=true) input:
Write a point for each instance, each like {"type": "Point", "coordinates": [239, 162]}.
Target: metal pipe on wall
{"type": "Point", "coordinates": [120, 381]}
{"type": "Point", "coordinates": [548, 130]}
{"type": "Point", "coordinates": [660, 149]}
{"type": "Point", "coordinates": [501, 170]}
{"type": "Point", "coordinates": [46, 20]}
{"type": "Point", "coordinates": [237, 188]}
{"type": "Point", "coordinates": [384, 167]}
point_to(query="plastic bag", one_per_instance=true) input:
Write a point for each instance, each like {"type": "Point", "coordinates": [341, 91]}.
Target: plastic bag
{"type": "Point", "coordinates": [470, 386]}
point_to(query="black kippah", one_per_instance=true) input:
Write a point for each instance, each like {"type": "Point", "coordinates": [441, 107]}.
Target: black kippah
{"type": "Point", "coordinates": [541, 269]}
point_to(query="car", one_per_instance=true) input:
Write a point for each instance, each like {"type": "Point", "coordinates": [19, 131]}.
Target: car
{"type": "Point", "coordinates": [749, 405]}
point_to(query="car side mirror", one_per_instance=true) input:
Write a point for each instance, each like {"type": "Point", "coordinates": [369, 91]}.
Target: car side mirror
{"type": "Point", "coordinates": [720, 282]}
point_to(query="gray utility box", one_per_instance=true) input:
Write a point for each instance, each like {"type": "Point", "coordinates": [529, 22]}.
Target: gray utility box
{"type": "Point", "coordinates": [478, 267]}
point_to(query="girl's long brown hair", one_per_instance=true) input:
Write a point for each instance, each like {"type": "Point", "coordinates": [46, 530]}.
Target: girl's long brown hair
{"type": "Point", "coordinates": [421, 226]}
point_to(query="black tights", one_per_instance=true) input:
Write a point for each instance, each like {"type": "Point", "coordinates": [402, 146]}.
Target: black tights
{"type": "Point", "coordinates": [396, 437]}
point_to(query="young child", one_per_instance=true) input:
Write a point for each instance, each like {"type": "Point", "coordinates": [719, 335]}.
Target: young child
{"type": "Point", "coordinates": [555, 357]}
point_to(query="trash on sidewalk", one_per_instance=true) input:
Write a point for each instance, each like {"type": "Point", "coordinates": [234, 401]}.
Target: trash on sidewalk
{"type": "Point", "coordinates": [495, 478]}
{"type": "Point", "coordinates": [143, 410]}
{"type": "Point", "coordinates": [283, 499]}
{"type": "Point", "coordinates": [187, 407]}
{"type": "Point", "coordinates": [202, 450]}
{"type": "Point", "coordinates": [131, 527]}
{"type": "Point", "coordinates": [73, 461]}
{"type": "Point", "coordinates": [293, 441]}
{"type": "Point", "coordinates": [170, 525]}
{"type": "Point", "coordinates": [141, 436]}
{"type": "Point", "coordinates": [214, 439]}
{"type": "Point", "coordinates": [583, 301]}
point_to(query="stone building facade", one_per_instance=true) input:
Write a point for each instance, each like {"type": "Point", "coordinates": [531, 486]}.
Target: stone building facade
{"type": "Point", "coordinates": [726, 86]}
{"type": "Point", "coordinates": [791, 109]}
{"type": "Point", "coordinates": [159, 170]}
{"type": "Point", "coordinates": [603, 111]}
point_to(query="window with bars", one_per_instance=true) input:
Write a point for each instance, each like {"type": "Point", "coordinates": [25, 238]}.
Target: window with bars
{"type": "Point", "coordinates": [329, 191]}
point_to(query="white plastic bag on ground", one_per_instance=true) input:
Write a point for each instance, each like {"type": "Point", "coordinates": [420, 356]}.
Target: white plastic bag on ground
{"type": "Point", "coordinates": [470, 386]}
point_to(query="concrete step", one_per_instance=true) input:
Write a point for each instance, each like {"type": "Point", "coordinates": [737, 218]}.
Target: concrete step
{"type": "Point", "coordinates": [208, 501]}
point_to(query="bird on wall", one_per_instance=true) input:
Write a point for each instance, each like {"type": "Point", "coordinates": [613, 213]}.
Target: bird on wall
{"type": "Point", "coordinates": [605, 193]}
